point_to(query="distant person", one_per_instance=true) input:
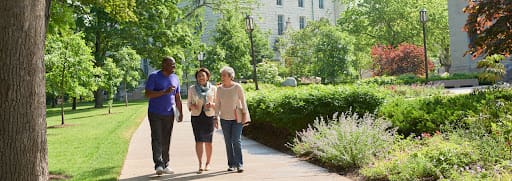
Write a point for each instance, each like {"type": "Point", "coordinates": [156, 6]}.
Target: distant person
{"type": "Point", "coordinates": [163, 91]}
{"type": "Point", "coordinates": [201, 98]}
{"type": "Point", "coordinates": [231, 109]}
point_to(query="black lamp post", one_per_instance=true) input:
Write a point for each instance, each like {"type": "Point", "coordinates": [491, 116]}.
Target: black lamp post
{"type": "Point", "coordinates": [249, 25]}
{"type": "Point", "coordinates": [423, 20]}
{"type": "Point", "coordinates": [200, 58]}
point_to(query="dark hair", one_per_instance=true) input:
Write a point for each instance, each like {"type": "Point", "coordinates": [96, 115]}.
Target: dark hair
{"type": "Point", "coordinates": [168, 58]}
{"type": "Point", "coordinates": [205, 70]}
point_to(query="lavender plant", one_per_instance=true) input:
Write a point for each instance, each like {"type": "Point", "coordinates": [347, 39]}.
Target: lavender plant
{"type": "Point", "coordinates": [346, 140]}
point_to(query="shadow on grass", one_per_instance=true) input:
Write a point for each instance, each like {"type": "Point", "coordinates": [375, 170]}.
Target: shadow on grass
{"type": "Point", "coordinates": [178, 176]}
{"type": "Point", "coordinates": [98, 173]}
{"type": "Point", "coordinates": [86, 107]}
{"type": "Point", "coordinates": [59, 175]}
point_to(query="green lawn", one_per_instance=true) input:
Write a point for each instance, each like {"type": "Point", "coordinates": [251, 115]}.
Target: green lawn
{"type": "Point", "coordinates": [93, 144]}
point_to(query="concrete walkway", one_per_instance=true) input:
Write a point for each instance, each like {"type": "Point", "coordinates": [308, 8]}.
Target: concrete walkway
{"type": "Point", "coordinates": [260, 162]}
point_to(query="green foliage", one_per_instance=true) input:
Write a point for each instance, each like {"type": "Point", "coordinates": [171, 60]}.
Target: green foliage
{"type": "Point", "coordinates": [347, 141]}
{"type": "Point", "coordinates": [391, 22]}
{"type": "Point", "coordinates": [268, 72]}
{"type": "Point", "coordinates": [292, 109]}
{"type": "Point", "coordinates": [493, 69]}
{"type": "Point", "coordinates": [433, 157]}
{"type": "Point", "coordinates": [231, 46]}
{"type": "Point", "coordinates": [408, 79]}
{"type": "Point", "coordinates": [128, 62]}
{"type": "Point", "coordinates": [69, 66]}
{"type": "Point", "coordinates": [329, 58]}
{"type": "Point", "coordinates": [429, 114]}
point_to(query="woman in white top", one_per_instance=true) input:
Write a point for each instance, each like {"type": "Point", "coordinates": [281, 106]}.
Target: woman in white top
{"type": "Point", "coordinates": [231, 109]}
{"type": "Point", "coordinates": [201, 97]}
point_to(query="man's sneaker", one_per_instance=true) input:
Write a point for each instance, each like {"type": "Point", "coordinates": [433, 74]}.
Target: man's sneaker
{"type": "Point", "coordinates": [168, 171]}
{"type": "Point", "coordinates": [231, 169]}
{"type": "Point", "coordinates": [159, 170]}
{"type": "Point", "coordinates": [240, 169]}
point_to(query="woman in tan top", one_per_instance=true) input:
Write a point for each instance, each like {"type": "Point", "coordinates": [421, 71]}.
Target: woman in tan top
{"type": "Point", "coordinates": [231, 109]}
{"type": "Point", "coordinates": [201, 97]}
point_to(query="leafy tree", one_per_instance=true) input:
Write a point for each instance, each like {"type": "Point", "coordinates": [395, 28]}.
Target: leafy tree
{"type": "Point", "coordinates": [230, 46]}
{"type": "Point", "coordinates": [321, 50]}
{"type": "Point", "coordinates": [128, 62]}
{"type": "Point", "coordinates": [405, 58]}
{"type": "Point", "coordinates": [489, 24]}
{"type": "Point", "coordinates": [268, 72]}
{"type": "Point", "coordinates": [392, 22]}
{"type": "Point", "coordinates": [111, 77]}
{"type": "Point", "coordinates": [493, 69]}
{"type": "Point", "coordinates": [69, 67]}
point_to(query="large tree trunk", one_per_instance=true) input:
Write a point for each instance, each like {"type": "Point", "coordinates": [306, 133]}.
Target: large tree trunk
{"type": "Point", "coordinates": [98, 98]}
{"type": "Point", "coordinates": [23, 146]}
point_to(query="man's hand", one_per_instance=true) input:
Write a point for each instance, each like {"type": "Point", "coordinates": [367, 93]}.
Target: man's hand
{"type": "Point", "coordinates": [180, 118]}
{"type": "Point", "coordinates": [169, 90]}
{"type": "Point", "coordinates": [216, 122]}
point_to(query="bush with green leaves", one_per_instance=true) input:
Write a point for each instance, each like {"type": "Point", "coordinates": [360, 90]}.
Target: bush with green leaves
{"type": "Point", "coordinates": [430, 113]}
{"type": "Point", "coordinates": [293, 108]}
{"type": "Point", "coordinates": [268, 72]}
{"type": "Point", "coordinates": [409, 79]}
{"type": "Point", "coordinates": [346, 141]}
{"type": "Point", "coordinates": [431, 157]}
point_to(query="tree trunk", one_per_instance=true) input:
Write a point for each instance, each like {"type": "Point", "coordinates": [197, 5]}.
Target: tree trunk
{"type": "Point", "coordinates": [62, 110]}
{"type": "Point", "coordinates": [74, 104]}
{"type": "Point", "coordinates": [98, 98]}
{"type": "Point", "coordinates": [125, 95]}
{"type": "Point", "coordinates": [54, 101]}
{"type": "Point", "coordinates": [23, 145]}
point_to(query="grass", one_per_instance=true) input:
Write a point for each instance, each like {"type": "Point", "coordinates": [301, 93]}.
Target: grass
{"type": "Point", "coordinates": [93, 144]}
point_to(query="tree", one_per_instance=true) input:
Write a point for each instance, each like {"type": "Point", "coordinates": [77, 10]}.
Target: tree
{"type": "Point", "coordinates": [493, 69]}
{"type": "Point", "coordinates": [489, 25]}
{"type": "Point", "coordinates": [392, 22]}
{"type": "Point", "coordinates": [23, 122]}
{"type": "Point", "coordinates": [128, 62]}
{"type": "Point", "coordinates": [70, 67]}
{"type": "Point", "coordinates": [230, 46]}
{"type": "Point", "coordinates": [321, 50]}
{"type": "Point", "coordinates": [101, 21]}
{"type": "Point", "coordinates": [110, 78]}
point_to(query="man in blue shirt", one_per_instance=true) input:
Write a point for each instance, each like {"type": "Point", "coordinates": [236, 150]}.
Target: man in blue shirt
{"type": "Point", "coordinates": [163, 91]}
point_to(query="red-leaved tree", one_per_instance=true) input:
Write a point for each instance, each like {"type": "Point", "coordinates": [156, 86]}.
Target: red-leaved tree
{"type": "Point", "coordinates": [489, 25]}
{"type": "Point", "coordinates": [406, 58]}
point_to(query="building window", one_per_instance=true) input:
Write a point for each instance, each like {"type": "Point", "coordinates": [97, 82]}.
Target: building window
{"type": "Point", "coordinates": [301, 3]}
{"type": "Point", "coordinates": [321, 4]}
{"type": "Point", "coordinates": [280, 24]}
{"type": "Point", "coordinates": [302, 22]}
{"type": "Point", "coordinates": [280, 2]}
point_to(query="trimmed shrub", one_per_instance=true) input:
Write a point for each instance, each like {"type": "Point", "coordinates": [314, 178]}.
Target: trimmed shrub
{"type": "Point", "coordinates": [294, 108]}
{"type": "Point", "coordinates": [429, 114]}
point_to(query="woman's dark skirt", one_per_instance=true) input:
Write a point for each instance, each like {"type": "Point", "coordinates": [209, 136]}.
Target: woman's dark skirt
{"type": "Point", "coordinates": [202, 126]}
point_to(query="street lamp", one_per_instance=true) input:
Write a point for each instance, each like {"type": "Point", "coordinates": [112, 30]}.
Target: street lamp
{"type": "Point", "coordinates": [200, 58]}
{"type": "Point", "coordinates": [423, 20]}
{"type": "Point", "coordinates": [249, 25]}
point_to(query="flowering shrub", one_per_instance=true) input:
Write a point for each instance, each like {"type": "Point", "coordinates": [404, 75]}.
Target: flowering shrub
{"type": "Point", "coordinates": [406, 58]}
{"type": "Point", "coordinates": [345, 141]}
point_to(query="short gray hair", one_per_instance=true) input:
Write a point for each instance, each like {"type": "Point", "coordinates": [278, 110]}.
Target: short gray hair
{"type": "Point", "coordinates": [229, 70]}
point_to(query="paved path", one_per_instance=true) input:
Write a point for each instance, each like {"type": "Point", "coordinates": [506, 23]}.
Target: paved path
{"type": "Point", "coordinates": [260, 162]}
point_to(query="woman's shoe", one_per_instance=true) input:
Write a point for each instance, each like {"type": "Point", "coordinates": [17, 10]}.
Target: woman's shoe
{"type": "Point", "coordinates": [207, 167]}
{"type": "Point", "coordinates": [231, 169]}
{"type": "Point", "coordinates": [200, 171]}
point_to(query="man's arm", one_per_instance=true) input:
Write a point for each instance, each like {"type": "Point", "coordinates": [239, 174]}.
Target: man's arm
{"type": "Point", "coordinates": [154, 94]}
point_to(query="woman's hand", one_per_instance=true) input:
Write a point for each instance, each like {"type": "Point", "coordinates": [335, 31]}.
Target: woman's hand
{"type": "Point", "coordinates": [216, 122]}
